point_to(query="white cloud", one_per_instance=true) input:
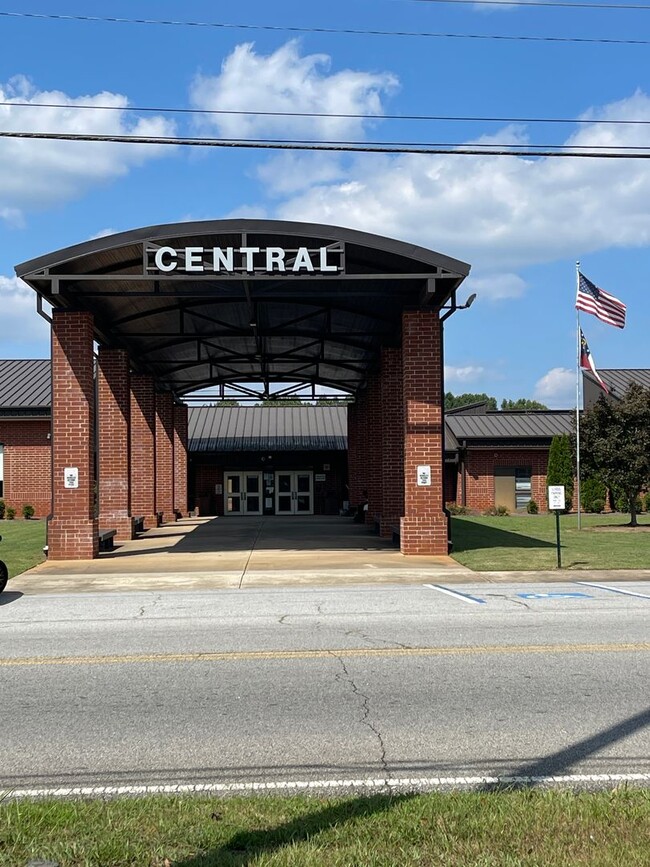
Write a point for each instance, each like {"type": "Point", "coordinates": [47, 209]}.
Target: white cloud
{"type": "Point", "coordinates": [495, 287]}
{"type": "Point", "coordinates": [499, 213]}
{"type": "Point", "coordinates": [556, 388]}
{"type": "Point", "coordinates": [36, 174]}
{"type": "Point", "coordinates": [19, 323]}
{"type": "Point", "coordinates": [285, 81]}
{"type": "Point", "coordinates": [469, 373]}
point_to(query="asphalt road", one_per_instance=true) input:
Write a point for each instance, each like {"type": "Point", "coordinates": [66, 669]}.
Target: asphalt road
{"type": "Point", "coordinates": [268, 685]}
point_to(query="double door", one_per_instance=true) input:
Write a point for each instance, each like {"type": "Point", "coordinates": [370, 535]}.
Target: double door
{"type": "Point", "coordinates": [294, 493]}
{"type": "Point", "coordinates": [243, 493]}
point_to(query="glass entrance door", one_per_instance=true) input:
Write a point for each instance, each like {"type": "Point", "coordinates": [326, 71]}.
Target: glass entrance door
{"type": "Point", "coordinates": [294, 493]}
{"type": "Point", "coordinates": [243, 493]}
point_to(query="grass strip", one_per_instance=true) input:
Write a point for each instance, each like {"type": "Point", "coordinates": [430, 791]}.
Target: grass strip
{"type": "Point", "coordinates": [22, 544]}
{"type": "Point", "coordinates": [527, 542]}
{"type": "Point", "coordinates": [459, 829]}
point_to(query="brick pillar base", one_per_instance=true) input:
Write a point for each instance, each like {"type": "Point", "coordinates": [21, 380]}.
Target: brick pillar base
{"type": "Point", "coordinates": [427, 535]}
{"type": "Point", "coordinates": [72, 538]}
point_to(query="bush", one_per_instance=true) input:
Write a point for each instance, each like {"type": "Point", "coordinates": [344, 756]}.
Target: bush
{"type": "Point", "coordinates": [623, 503]}
{"type": "Point", "coordinates": [597, 506]}
{"type": "Point", "coordinates": [11, 513]}
{"type": "Point", "coordinates": [560, 467]}
{"type": "Point", "coordinates": [532, 508]}
{"type": "Point", "coordinates": [496, 511]}
{"type": "Point", "coordinates": [646, 502]}
{"type": "Point", "coordinates": [28, 511]}
{"type": "Point", "coordinates": [592, 491]}
{"type": "Point", "coordinates": [455, 509]}
{"type": "Point", "coordinates": [2, 509]}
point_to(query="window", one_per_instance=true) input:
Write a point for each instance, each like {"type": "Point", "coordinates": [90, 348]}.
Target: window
{"type": "Point", "coordinates": [2, 469]}
{"type": "Point", "coordinates": [523, 488]}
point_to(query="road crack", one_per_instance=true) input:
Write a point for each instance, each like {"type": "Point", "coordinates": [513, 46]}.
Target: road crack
{"type": "Point", "coordinates": [365, 720]}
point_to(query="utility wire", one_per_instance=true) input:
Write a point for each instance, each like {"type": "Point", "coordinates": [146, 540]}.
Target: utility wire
{"type": "Point", "coordinates": [553, 3]}
{"type": "Point", "coordinates": [317, 114]}
{"type": "Point", "coordinates": [330, 30]}
{"type": "Point", "coordinates": [354, 147]}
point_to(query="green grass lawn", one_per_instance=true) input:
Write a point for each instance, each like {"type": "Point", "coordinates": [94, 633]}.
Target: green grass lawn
{"type": "Point", "coordinates": [527, 542]}
{"type": "Point", "coordinates": [531, 828]}
{"type": "Point", "coordinates": [22, 544]}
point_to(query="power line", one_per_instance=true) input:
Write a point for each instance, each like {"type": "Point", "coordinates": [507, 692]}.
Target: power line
{"type": "Point", "coordinates": [553, 3]}
{"type": "Point", "coordinates": [623, 152]}
{"type": "Point", "coordinates": [329, 30]}
{"type": "Point", "coordinates": [322, 115]}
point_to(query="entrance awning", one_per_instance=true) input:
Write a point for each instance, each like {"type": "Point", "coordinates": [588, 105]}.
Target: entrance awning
{"type": "Point", "coordinates": [235, 301]}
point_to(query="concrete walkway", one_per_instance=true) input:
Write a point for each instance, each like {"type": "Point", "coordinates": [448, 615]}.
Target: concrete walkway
{"type": "Point", "coordinates": [205, 553]}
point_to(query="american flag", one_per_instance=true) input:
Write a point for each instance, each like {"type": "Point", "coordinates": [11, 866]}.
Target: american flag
{"type": "Point", "coordinates": [591, 299]}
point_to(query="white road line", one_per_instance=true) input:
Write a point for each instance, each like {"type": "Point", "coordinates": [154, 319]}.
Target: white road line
{"type": "Point", "coordinates": [374, 784]}
{"type": "Point", "coordinates": [614, 589]}
{"type": "Point", "coordinates": [464, 597]}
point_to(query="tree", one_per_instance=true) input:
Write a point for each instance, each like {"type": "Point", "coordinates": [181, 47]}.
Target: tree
{"type": "Point", "coordinates": [452, 401]}
{"type": "Point", "coordinates": [560, 466]}
{"type": "Point", "coordinates": [522, 403]}
{"type": "Point", "coordinates": [615, 443]}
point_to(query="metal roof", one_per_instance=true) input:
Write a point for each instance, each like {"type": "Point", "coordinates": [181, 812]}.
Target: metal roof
{"type": "Point", "coordinates": [618, 380]}
{"type": "Point", "coordinates": [503, 425]}
{"type": "Point", "coordinates": [247, 324]}
{"type": "Point", "coordinates": [261, 428]}
{"type": "Point", "coordinates": [25, 384]}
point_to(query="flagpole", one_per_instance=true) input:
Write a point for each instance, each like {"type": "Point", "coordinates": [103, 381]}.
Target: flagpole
{"type": "Point", "coordinates": [578, 393]}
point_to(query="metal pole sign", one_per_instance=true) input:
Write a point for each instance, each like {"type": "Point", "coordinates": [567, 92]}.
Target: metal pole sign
{"type": "Point", "coordinates": [557, 502]}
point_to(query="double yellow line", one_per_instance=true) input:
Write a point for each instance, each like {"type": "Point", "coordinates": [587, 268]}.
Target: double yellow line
{"type": "Point", "coordinates": [369, 652]}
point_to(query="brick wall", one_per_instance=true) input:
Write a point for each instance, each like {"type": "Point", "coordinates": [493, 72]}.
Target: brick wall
{"type": "Point", "coordinates": [27, 464]}
{"type": "Point", "coordinates": [479, 474]}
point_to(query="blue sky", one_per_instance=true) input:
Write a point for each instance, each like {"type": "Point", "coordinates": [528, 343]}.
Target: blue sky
{"type": "Point", "coordinates": [521, 223]}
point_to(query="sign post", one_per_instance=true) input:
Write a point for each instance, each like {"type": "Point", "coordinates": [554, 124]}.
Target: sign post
{"type": "Point", "coordinates": [557, 502]}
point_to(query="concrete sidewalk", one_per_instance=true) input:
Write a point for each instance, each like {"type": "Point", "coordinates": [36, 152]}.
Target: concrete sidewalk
{"type": "Point", "coordinates": [205, 553]}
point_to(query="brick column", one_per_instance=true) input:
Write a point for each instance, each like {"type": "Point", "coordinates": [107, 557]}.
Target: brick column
{"type": "Point", "coordinates": [73, 527]}
{"type": "Point", "coordinates": [114, 446]}
{"type": "Point", "coordinates": [392, 421]}
{"type": "Point", "coordinates": [374, 450]}
{"type": "Point", "coordinates": [143, 449]}
{"type": "Point", "coordinates": [165, 455]}
{"type": "Point", "coordinates": [362, 444]}
{"type": "Point", "coordinates": [180, 459]}
{"type": "Point", "coordinates": [424, 525]}
{"type": "Point", "coordinates": [354, 486]}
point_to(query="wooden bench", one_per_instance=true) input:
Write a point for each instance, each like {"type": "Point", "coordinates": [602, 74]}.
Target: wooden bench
{"type": "Point", "coordinates": [138, 524]}
{"type": "Point", "coordinates": [106, 539]}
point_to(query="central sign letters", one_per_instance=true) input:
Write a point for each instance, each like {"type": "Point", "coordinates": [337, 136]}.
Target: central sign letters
{"type": "Point", "coordinates": [247, 260]}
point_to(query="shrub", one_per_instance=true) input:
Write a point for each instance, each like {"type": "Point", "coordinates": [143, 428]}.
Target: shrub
{"type": "Point", "coordinates": [597, 506]}
{"type": "Point", "coordinates": [2, 509]}
{"type": "Point", "coordinates": [646, 502]}
{"type": "Point", "coordinates": [560, 467]}
{"type": "Point", "coordinates": [532, 508]}
{"type": "Point", "coordinates": [455, 509]}
{"type": "Point", "coordinates": [592, 491]}
{"type": "Point", "coordinates": [496, 511]}
{"type": "Point", "coordinates": [623, 503]}
{"type": "Point", "coordinates": [28, 511]}
{"type": "Point", "coordinates": [11, 513]}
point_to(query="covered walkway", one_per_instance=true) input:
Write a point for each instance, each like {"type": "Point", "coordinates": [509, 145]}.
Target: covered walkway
{"type": "Point", "coordinates": [241, 552]}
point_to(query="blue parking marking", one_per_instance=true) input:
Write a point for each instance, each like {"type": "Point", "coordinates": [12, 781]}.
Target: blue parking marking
{"type": "Point", "coordinates": [555, 595]}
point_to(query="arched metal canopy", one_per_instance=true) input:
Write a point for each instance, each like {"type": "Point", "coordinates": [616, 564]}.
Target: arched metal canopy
{"type": "Point", "coordinates": [233, 317]}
